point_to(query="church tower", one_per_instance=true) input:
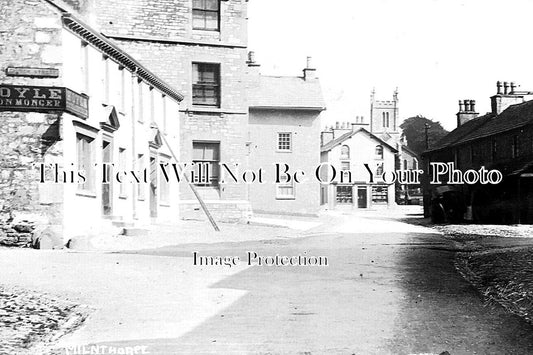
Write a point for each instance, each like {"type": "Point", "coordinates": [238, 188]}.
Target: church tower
{"type": "Point", "coordinates": [384, 117]}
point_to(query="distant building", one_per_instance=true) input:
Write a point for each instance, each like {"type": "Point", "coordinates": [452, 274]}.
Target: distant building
{"type": "Point", "coordinates": [346, 149]}
{"type": "Point", "coordinates": [284, 128]}
{"type": "Point", "coordinates": [500, 139]}
{"type": "Point", "coordinates": [72, 100]}
{"type": "Point", "coordinates": [384, 128]}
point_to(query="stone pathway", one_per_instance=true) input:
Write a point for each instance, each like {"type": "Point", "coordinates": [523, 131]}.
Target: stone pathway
{"type": "Point", "coordinates": [30, 320]}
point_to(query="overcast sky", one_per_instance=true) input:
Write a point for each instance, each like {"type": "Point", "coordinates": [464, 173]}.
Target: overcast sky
{"type": "Point", "coordinates": [435, 51]}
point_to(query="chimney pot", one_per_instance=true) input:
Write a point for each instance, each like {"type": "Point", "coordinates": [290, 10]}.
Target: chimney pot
{"type": "Point", "coordinates": [505, 88]}
{"type": "Point", "coordinates": [513, 87]}
{"type": "Point", "coordinates": [461, 106]}
{"type": "Point", "coordinates": [467, 105]}
{"type": "Point", "coordinates": [498, 87]}
{"type": "Point", "coordinates": [473, 105]}
{"type": "Point", "coordinates": [337, 125]}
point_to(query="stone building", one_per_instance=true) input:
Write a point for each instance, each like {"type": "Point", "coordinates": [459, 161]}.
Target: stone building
{"type": "Point", "coordinates": [355, 162]}
{"type": "Point", "coordinates": [199, 47]}
{"type": "Point", "coordinates": [499, 140]}
{"type": "Point", "coordinates": [284, 128]}
{"type": "Point", "coordinates": [72, 100]}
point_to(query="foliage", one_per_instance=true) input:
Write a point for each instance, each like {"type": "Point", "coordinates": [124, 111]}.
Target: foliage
{"type": "Point", "coordinates": [414, 130]}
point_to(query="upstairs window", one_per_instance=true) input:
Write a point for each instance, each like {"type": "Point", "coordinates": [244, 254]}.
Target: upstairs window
{"type": "Point", "coordinates": [515, 147]}
{"type": "Point", "coordinates": [284, 142]}
{"type": "Point", "coordinates": [379, 152]}
{"type": "Point", "coordinates": [206, 15]}
{"type": "Point", "coordinates": [386, 121]}
{"type": "Point", "coordinates": [206, 84]}
{"type": "Point", "coordinates": [345, 152]}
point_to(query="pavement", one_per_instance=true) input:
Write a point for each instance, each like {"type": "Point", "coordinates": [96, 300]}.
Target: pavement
{"type": "Point", "coordinates": [389, 288]}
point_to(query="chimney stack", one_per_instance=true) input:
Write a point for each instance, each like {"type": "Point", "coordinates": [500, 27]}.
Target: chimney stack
{"type": "Point", "coordinates": [510, 96]}
{"type": "Point", "coordinates": [467, 111]}
{"type": "Point", "coordinates": [309, 71]}
{"type": "Point", "coordinates": [253, 66]}
{"type": "Point", "coordinates": [359, 123]}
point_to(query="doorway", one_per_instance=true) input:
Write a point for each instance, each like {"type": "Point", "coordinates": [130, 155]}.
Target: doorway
{"type": "Point", "coordinates": [362, 201]}
{"type": "Point", "coordinates": [153, 186]}
{"type": "Point", "coordinates": [107, 186]}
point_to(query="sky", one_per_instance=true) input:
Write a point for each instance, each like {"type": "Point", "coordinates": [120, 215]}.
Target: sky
{"type": "Point", "coordinates": [435, 51]}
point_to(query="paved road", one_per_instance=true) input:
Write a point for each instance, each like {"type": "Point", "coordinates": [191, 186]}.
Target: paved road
{"type": "Point", "coordinates": [389, 289]}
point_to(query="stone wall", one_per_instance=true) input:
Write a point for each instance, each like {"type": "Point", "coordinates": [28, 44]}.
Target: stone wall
{"type": "Point", "coordinates": [170, 19]}
{"type": "Point", "coordinates": [30, 36]}
{"type": "Point", "coordinates": [222, 211]}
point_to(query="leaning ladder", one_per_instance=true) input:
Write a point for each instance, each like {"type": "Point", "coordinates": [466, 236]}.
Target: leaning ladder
{"type": "Point", "coordinates": [191, 185]}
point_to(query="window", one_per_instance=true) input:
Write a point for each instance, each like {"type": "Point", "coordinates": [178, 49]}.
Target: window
{"type": "Point", "coordinates": [208, 153]}
{"type": "Point", "coordinates": [344, 194]}
{"type": "Point", "coordinates": [515, 147]}
{"type": "Point", "coordinates": [345, 152]}
{"type": "Point", "coordinates": [206, 84]}
{"type": "Point", "coordinates": [379, 152]}
{"type": "Point", "coordinates": [105, 79]}
{"type": "Point", "coordinates": [379, 170]}
{"type": "Point", "coordinates": [84, 54]}
{"type": "Point", "coordinates": [122, 167]}
{"type": "Point", "coordinates": [415, 164]}
{"type": "Point", "coordinates": [164, 184]}
{"type": "Point", "coordinates": [285, 141]}
{"type": "Point", "coordinates": [122, 92]}
{"type": "Point", "coordinates": [345, 165]}
{"type": "Point", "coordinates": [385, 119]}
{"type": "Point", "coordinates": [206, 15]}
{"type": "Point", "coordinates": [141, 195]}
{"type": "Point", "coordinates": [405, 164]}
{"type": "Point", "coordinates": [494, 149]}
{"type": "Point", "coordinates": [85, 157]}
{"type": "Point", "coordinates": [140, 101]}
{"type": "Point", "coordinates": [152, 105]}
{"type": "Point", "coordinates": [164, 99]}
{"type": "Point", "coordinates": [284, 189]}
{"type": "Point", "coordinates": [380, 194]}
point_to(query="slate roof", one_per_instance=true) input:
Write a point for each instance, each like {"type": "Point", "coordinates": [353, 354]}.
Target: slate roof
{"type": "Point", "coordinates": [285, 92]}
{"type": "Point", "coordinates": [514, 116]}
{"type": "Point", "coordinates": [332, 144]}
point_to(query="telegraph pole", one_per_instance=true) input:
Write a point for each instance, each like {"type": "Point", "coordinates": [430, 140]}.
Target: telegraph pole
{"type": "Point", "coordinates": [426, 128]}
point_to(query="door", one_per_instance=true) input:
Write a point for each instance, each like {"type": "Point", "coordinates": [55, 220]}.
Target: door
{"type": "Point", "coordinates": [361, 197]}
{"type": "Point", "coordinates": [107, 184]}
{"type": "Point", "coordinates": [153, 187]}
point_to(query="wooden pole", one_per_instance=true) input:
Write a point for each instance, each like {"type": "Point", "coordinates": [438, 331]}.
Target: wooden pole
{"type": "Point", "coordinates": [191, 185]}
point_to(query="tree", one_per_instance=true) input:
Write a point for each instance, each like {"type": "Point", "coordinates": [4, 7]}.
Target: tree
{"type": "Point", "coordinates": [414, 130]}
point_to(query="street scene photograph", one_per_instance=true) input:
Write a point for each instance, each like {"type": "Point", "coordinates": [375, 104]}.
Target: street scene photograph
{"type": "Point", "coordinates": [266, 177]}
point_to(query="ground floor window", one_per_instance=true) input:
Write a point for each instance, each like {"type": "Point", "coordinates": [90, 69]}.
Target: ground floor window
{"type": "Point", "coordinates": [141, 194]}
{"type": "Point", "coordinates": [86, 158]}
{"type": "Point", "coordinates": [208, 153]}
{"type": "Point", "coordinates": [164, 185]}
{"type": "Point", "coordinates": [344, 194]}
{"type": "Point", "coordinates": [380, 194]}
{"type": "Point", "coordinates": [285, 189]}
{"type": "Point", "coordinates": [122, 163]}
